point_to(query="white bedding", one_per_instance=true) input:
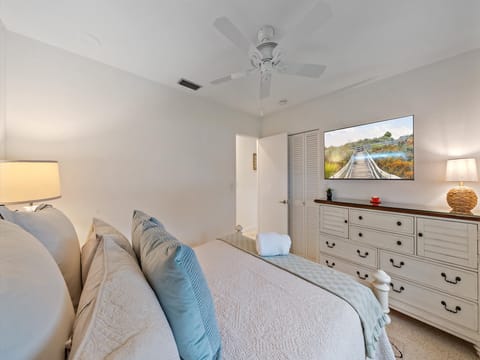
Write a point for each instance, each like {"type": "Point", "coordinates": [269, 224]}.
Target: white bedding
{"type": "Point", "coordinates": [266, 313]}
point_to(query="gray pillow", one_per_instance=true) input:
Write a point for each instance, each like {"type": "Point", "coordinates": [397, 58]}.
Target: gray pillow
{"type": "Point", "coordinates": [97, 230]}
{"type": "Point", "coordinates": [56, 232]}
{"type": "Point", "coordinates": [36, 310]}
{"type": "Point", "coordinates": [174, 273]}
{"type": "Point", "coordinates": [139, 217]}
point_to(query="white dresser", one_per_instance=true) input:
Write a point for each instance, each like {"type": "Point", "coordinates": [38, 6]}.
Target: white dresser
{"type": "Point", "coordinates": [432, 257]}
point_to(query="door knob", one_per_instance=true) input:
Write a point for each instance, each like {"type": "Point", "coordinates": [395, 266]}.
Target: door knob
{"type": "Point", "coordinates": [283, 202]}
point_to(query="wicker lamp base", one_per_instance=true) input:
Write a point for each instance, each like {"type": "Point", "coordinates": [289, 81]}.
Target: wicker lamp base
{"type": "Point", "coordinates": [462, 199]}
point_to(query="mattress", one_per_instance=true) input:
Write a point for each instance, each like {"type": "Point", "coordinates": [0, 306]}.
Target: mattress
{"type": "Point", "coordinates": [266, 313]}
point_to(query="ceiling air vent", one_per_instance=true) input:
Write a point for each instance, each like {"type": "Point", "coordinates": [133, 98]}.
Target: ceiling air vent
{"type": "Point", "coordinates": [189, 84]}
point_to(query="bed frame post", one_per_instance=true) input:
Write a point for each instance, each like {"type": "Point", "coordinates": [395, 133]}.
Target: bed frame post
{"type": "Point", "coordinates": [381, 288]}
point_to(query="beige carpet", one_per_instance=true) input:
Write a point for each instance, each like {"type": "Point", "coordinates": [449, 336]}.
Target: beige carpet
{"type": "Point", "coordinates": [414, 340]}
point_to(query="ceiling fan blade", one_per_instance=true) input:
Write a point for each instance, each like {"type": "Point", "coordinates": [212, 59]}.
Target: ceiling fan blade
{"type": "Point", "coordinates": [265, 85]}
{"type": "Point", "coordinates": [232, 33]}
{"type": "Point", "coordinates": [307, 70]}
{"type": "Point", "coordinates": [315, 17]}
{"type": "Point", "coordinates": [233, 76]}
{"type": "Point", "coordinates": [221, 80]}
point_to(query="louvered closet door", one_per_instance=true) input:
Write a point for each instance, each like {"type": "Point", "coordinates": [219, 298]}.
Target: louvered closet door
{"type": "Point", "coordinates": [296, 198]}
{"type": "Point", "coordinates": [311, 229]}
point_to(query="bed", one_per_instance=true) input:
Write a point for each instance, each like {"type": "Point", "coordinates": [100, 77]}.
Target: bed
{"type": "Point", "coordinates": [267, 313]}
{"type": "Point", "coordinates": [257, 310]}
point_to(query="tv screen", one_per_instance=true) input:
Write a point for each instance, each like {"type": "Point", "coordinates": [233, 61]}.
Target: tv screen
{"type": "Point", "coordinates": [379, 150]}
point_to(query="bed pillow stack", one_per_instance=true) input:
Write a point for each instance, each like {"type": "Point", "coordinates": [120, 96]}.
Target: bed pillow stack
{"type": "Point", "coordinates": [174, 273]}
{"type": "Point", "coordinates": [118, 315]}
{"type": "Point", "coordinates": [56, 232]}
{"type": "Point", "coordinates": [36, 312]}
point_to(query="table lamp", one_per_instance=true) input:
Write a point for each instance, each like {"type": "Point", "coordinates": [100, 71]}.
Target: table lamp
{"type": "Point", "coordinates": [28, 181]}
{"type": "Point", "coordinates": [462, 198]}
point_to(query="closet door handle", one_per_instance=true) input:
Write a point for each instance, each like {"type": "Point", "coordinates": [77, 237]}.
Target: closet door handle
{"type": "Point", "coordinates": [399, 243]}
{"type": "Point", "coordinates": [400, 290]}
{"type": "Point", "coordinates": [420, 234]}
{"type": "Point", "coordinates": [362, 277]}
{"type": "Point", "coordinates": [397, 266]}
{"type": "Point", "coordinates": [345, 221]}
{"type": "Point", "coordinates": [360, 234]}
{"type": "Point", "coordinates": [332, 265]}
{"type": "Point", "coordinates": [457, 308]}
{"type": "Point", "coordinates": [456, 281]}
{"type": "Point", "coordinates": [399, 223]}
{"type": "Point", "coordinates": [360, 254]}
{"type": "Point", "coordinates": [360, 217]}
{"type": "Point", "coordinates": [331, 246]}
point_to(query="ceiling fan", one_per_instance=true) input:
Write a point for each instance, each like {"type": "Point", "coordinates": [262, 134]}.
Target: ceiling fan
{"type": "Point", "coordinates": [267, 57]}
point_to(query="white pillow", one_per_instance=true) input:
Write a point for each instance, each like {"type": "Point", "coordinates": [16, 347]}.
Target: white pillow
{"type": "Point", "coordinates": [118, 315]}
{"type": "Point", "coordinates": [97, 230]}
{"type": "Point", "coordinates": [36, 313]}
{"type": "Point", "coordinates": [56, 232]}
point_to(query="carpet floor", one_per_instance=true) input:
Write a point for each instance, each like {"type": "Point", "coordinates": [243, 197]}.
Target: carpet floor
{"type": "Point", "coordinates": [414, 340]}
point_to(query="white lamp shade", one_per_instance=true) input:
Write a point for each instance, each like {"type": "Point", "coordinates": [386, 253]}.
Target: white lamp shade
{"type": "Point", "coordinates": [28, 181]}
{"type": "Point", "coordinates": [462, 170]}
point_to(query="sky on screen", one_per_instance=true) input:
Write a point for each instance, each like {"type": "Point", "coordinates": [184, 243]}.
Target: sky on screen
{"type": "Point", "coordinates": [397, 127]}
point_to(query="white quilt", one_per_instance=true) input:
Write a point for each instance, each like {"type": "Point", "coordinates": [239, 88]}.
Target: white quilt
{"type": "Point", "coordinates": [267, 313]}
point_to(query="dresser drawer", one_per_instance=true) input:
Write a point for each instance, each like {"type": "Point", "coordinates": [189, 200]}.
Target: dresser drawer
{"type": "Point", "coordinates": [402, 224]}
{"type": "Point", "coordinates": [358, 272]}
{"type": "Point", "coordinates": [334, 220]}
{"type": "Point", "coordinates": [357, 253]}
{"type": "Point", "coordinates": [383, 240]}
{"type": "Point", "coordinates": [457, 282]}
{"type": "Point", "coordinates": [460, 312]}
{"type": "Point", "coordinates": [450, 241]}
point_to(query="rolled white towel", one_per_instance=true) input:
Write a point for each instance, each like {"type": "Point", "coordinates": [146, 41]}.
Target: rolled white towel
{"type": "Point", "coordinates": [273, 244]}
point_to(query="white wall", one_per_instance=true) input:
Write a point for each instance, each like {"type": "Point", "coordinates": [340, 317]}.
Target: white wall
{"type": "Point", "coordinates": [123, 142]}
{"type": "Point", "coordinates": [246, 183]}
{"type": "Point", "coordinates": [444, 97]}
{"type": "Point", "coordinates": [3, 56]}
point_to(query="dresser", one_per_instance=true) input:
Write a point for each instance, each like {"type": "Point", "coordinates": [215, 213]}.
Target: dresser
{"type": "Point", "coordinates": [431, 256]}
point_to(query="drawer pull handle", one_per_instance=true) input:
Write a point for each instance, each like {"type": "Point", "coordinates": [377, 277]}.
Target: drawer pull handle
{"type": "Point", "coordinates": [399, 223]}
{"type": "Point", "coordinates": [362, 277]}
{"type": "Point", "coordinates": [397, 266]}
{"type": "Point", "coordinates": [399, 243]}
{"type": "Point", "coordinates": [400, 290]}
{"type": "Point", "coordinates": [360, 254]}
{"type": "Point", "coordinates": [360, 217]}
{"type": "Point", "coordinates": [420, 234]}
{"type": "Point", "coordinates": [345, 221]}
{"type": "Point", "coordinates": [456, 281]}
{"type": "Point", "coordinates": [457, 308]}
{"type": "Point", "coordinates": [331, 246]}
{"type": "Point", "coordinates": [360, 234]}
{"type": "Point", "coordinates": [330, 265]}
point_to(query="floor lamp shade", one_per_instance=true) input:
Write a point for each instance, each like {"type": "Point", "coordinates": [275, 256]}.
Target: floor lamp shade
{"type": "Point", "coordinates": [28, 181]}
{"type": "Point", "coordinates": [462, 198]}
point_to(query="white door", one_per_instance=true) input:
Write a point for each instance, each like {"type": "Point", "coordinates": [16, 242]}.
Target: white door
{"type": "Point", "coordinates": [296, 199]}
{"type": "Point", "coordinates": [273, 184]}
{"type": "Point", "coordinates": [312, 176]}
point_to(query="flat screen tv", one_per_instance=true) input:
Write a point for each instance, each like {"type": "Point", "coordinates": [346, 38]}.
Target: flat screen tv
{"type": "Point", "coordinates": [381, 150]}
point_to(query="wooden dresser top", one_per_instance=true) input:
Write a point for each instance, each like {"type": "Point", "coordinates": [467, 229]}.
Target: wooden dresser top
{"type": "Point", "coordinates": [403, 208]}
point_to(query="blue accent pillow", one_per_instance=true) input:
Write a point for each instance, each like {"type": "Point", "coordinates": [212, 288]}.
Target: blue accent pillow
{"type": "Point", "coordinates": [173, 271]}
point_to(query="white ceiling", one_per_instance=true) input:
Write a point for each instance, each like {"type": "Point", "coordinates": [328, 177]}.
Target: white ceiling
{"type": "Point", "coordinates": [170, 39]}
